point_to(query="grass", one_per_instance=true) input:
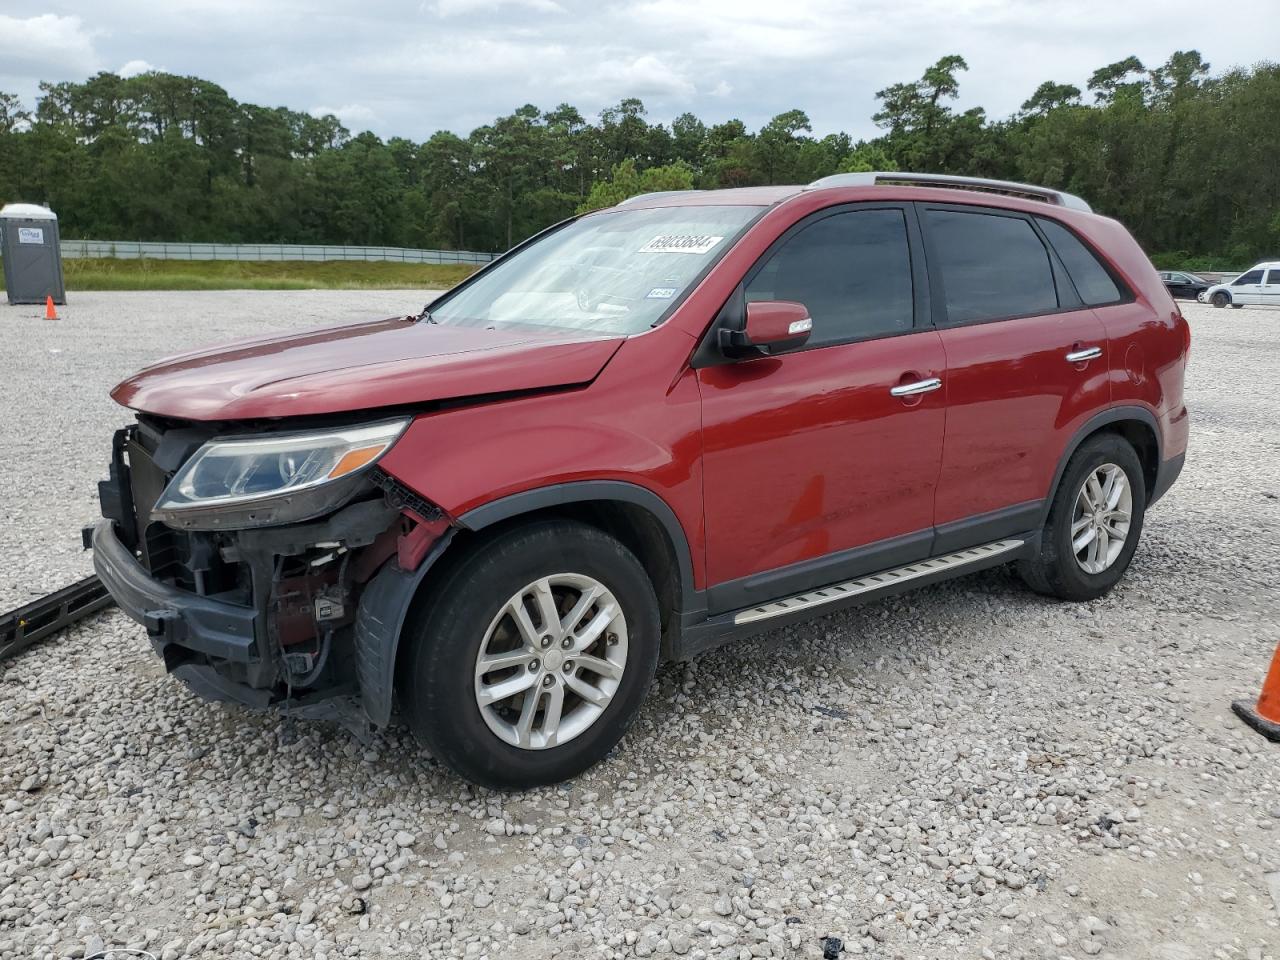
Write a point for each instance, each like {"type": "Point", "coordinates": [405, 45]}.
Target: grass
{"type": "Point", "coordinates": [257, 275]}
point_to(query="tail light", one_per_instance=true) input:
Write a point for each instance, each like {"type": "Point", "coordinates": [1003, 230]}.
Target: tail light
{"type": "Point", "coordinates": [1187, 333]}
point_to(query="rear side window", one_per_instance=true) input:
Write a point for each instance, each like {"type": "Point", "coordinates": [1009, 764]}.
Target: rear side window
{"type": "Point", "coordinates": [1273, 278]}
{"type": "Point", "coordinates": [852, 270]}
{"type": "Point", "coordinates": [1092, 281]}
{"type": "Point", "coordinates": [992, 266]}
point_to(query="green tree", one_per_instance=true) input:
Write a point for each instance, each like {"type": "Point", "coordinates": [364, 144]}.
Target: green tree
{"type": "Point", "coordinates": [626, 181]}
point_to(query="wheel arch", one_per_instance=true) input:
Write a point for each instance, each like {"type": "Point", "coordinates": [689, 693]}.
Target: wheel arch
{"type": "Point", "coordinates": [1137, 425]}
{"type": "Point", "coordinates": [635, 515]}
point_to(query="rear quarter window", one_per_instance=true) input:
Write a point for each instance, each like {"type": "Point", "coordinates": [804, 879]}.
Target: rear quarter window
{"type": "Point", "coordinates": [1092, 281]}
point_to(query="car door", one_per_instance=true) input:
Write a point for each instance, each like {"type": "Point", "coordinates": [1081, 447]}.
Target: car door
{"type": "Point", "coordinates": [1247, 288]}
{"type": "Point", "coordinates": [1181, 286]}
{"type": "Point", "coordinates": [1270, 293]}
{"type": "Point", "coordinates": [821, 464]}
{"type": "Point", "coordinates": [1026, 361]}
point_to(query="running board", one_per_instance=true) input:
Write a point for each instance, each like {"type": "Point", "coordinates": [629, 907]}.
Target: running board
{"type": "Point", "coordinates": [877, 581]}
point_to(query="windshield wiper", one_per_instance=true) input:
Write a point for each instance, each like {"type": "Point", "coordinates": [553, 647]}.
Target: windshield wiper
{"type": "Point", "coordinates": [426, 317]}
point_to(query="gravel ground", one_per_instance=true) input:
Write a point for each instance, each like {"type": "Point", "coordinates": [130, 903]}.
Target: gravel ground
{"type": "Point", "coordinates": [969, 770]}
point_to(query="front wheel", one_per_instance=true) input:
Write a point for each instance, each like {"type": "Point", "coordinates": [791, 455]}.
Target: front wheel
{"type": "Point", "coordinates": [1094, 522]}
{"type": "Point", "coordinates": [533, 655]}
{"type": "Point", "coordinates": [1220, 299]}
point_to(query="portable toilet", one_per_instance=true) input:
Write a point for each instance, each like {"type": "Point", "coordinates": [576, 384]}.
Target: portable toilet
{"type": "Point", "coordinates": [32, 256]}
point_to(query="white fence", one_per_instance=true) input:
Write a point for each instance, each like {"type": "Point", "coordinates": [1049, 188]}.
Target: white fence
{"type": "Point", "coordinates": [131, 250]}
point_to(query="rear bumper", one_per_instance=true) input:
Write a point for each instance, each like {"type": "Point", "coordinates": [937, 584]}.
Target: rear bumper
{"type": "Point", "coordinates": [1166, 475]}
{"type": "Point", "coordinates": [205, 625]}
{"type": "Point", "coordinates": [1175, 430]}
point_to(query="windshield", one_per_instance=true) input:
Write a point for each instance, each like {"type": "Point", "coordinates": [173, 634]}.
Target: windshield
{"type": "Point", "coordinates": [611, 273]}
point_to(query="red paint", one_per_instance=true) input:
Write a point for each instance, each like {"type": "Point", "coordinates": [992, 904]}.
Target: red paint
{"type": "Point", "coordinates": [413, 545]}
{"type": "Point", "coordinates": [387, 363]}
{"type": "Point", "coordinates": [639, 421]}
{"type": "Point", "coordinates": [1013, 404]}
{"type": "Point", "coordinates": [778, 322]}
{"type": "Point", "coordinates": [764, 462]}
{"type": "Point", "coordinates": [807, 454]}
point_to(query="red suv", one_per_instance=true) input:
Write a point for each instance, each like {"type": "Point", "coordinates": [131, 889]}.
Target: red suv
{"type": "Point", "coordinates": [642, 433]}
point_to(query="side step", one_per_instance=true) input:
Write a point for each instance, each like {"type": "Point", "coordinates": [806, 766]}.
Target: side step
{"type": "Point", "coordinates": [876, 581]}
{"type": "Point", "coordinates": [36, 620]}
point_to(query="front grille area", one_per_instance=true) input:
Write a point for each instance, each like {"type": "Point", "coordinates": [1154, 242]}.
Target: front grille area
{"type": "Point", "coordinates": [189, 561]}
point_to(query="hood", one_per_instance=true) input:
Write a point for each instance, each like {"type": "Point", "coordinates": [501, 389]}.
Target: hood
{"type": "Point", "coordinates": [387, 363]}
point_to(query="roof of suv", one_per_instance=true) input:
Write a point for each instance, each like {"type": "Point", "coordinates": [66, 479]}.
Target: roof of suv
{"type": "Point", "coordinates": [768, 196]}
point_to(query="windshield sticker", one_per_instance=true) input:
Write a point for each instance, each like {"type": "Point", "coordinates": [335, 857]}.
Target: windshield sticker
{"type": "Point", "coordinates": [660, 293]}
{"type": "Point", "coordinates": [680, 244]}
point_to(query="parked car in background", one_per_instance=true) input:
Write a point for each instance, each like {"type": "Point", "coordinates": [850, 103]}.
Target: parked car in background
{"type": "Point", "coordinates": [642, 433]}
{"type": "Point", "coordinates": [1259, 285]}
{"type": "Point", "coordinates": [1185, 286]}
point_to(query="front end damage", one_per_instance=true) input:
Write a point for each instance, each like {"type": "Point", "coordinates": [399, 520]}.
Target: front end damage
{"type": "Point", "coordinates": [302, 615]}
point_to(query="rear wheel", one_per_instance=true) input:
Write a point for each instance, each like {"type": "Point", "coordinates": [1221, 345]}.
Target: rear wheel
{"type": "Point", "coordinates": [1220, 299]}
{"type": "Point", "coordinates": [533, 656]}
{"type": "Point", "coordinates": [1094, 522]}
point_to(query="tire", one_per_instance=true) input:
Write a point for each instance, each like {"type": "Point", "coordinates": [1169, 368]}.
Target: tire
{"type": "Point", "coordinates": [1220, 299]}
{"type": "Point", "coordinates": [1056, 570]}
{"type": "Point", "coordinates": [440, 684]}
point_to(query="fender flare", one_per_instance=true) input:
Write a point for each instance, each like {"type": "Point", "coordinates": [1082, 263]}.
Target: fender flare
{"type": "Point", "coordinates": [1092, 426]}
{"type": "Point", "coordinates": [388, 596]}
{"type": "Point", "coordinates": [582, 491]}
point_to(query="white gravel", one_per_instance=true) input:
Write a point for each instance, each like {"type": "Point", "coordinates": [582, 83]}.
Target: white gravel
{"type": "Point", "coordinates": [966, 771]}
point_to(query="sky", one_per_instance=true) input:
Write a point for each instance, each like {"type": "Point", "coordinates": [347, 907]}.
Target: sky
{"type": "Point", "coordinates": [409, 69]}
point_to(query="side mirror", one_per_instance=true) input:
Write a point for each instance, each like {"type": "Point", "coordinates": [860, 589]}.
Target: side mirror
{"type": "Point", "coordinates": [772, 327]}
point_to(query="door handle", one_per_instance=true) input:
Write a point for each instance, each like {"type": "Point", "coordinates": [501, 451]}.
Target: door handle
{"type": "Point", "coordinates": [1080, 356]}
{"type": "Point", "coordinates": [912, 389]}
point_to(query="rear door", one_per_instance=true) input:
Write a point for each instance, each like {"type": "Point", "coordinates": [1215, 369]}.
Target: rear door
{"type": "Point", "coordinates": [1027, 362]}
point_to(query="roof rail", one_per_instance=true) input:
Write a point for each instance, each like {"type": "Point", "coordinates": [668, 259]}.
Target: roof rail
{"type": "Point", "coordinates": [655, 195]}
{"type": "Point", "coordinates": [946, 180]}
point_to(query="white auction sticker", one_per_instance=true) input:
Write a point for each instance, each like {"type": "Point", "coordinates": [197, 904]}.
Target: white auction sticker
{"type": "Point", "coordinates": [31, 235]}
{"type": "Point", "coordinates": [660, 293]}
{"type": "Point", "coordinates": [680, 244]}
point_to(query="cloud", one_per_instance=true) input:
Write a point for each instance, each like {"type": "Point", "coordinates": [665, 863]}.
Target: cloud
{"type": "Point", "coordinates": [354, 116]}
{"type": "Point", "coordinates": [57, 45]}
{"type": "Point", "coordinates": [453, 8]}
{"type": "Point", "coordinates": [410, 69]}
{"type": "Point", "coordinates": [135, 67]}
{"type": "Point", "coordinates": [643, 76]}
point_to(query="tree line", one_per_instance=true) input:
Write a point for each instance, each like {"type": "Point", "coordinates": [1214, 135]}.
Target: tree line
{"type": "Point", "coordinates": [1185, 157]}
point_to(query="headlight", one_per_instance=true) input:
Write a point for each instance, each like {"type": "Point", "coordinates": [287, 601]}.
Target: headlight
{"type": "Point", "coordinates": [233, 477]}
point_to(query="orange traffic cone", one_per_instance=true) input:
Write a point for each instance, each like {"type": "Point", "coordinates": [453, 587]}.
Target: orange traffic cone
{"type": "Point", "coordinates": [50, 311]}
{"type": "Point", "coordinates": [1264, 716]}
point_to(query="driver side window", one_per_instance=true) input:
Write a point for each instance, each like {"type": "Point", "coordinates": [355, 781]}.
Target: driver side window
{"type": "Point", "coordinates": [1253, 276]}
{"type": "Point", "coordinates": [852, 270]}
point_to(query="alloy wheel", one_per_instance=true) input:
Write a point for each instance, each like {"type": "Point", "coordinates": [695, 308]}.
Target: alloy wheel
{"type": "Point", "coordinates": [551, 661]}
{"type": "Point", "coordinates": [1101, 519]}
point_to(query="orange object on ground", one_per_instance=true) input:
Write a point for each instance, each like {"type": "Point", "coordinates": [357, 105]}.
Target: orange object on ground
{"type": "Point", "coordinates": [50, 311]}
{"type": "Point", "coordinates": [1264, 716]}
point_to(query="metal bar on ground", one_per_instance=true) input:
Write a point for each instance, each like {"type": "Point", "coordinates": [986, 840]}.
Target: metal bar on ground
{"type": "Point", "coordinates": [40, 618]}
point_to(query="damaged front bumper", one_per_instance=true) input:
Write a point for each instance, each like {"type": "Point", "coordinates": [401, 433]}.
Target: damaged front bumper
{"type": "Point", "coordinates": [304, 617]}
